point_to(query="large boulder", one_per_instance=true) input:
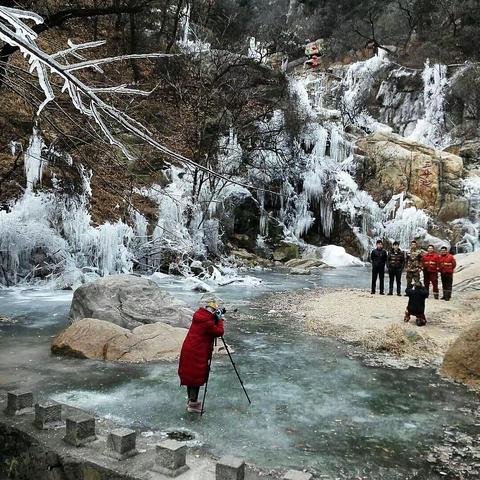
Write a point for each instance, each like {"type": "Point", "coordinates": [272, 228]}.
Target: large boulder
{"type": "Point", "coordinates": [433, 178]}
{"type": "Point", "coordinates": [462, 360]}
{"type": "Point", "coordinates": [96, 339]}
{"type": "Point", "coordinates": [86, 338]}
{"type": "Point", "coordinates": [128, 301]}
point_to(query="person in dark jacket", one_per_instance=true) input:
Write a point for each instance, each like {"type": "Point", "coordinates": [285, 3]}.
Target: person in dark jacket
{"type": "Point", "coordinates": [197, 348]}
{"type": "Point", "coordinates": [378, 258]}
{"type": "Point", "coordinates": [395, 264]}
{"type": "Point", "coordinates": [416, 303]}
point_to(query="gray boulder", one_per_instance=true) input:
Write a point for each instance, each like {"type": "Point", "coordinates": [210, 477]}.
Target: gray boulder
{"type": "Point", "coordinates": [128, 301]}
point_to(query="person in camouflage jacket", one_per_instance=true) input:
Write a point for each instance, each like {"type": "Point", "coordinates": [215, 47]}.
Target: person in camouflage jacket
{"type": "Point", "coordinates": [413, 264]}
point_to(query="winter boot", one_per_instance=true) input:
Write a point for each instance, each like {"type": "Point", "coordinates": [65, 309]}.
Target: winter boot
{"type": "Point", "coordinates": [420, 321]}
{"type": "Point", "coordinates": [194, 407]}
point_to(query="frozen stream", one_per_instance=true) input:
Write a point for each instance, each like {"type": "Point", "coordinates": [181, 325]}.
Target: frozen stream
{"type": "Point", "coordinates": [313, 406]}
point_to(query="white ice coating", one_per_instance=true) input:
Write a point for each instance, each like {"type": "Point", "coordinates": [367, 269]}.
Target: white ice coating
{"type": "Point", "coordinates": [46, 230]}
{"type": "Point", "coordinates": [189, 42]}
{"type": "Point", "coordinates": [430, 129]}
{"type": "Point", "coordinates": [327, 175]}
{"type": "Point", "coordinates": [471, 226]}
{"type": "Point", "coordinates": [359, 80]}
{"type": "Point", "coordinates": [256, 50]}
{"type": "Point", "coordinates": [404, 222]}
{"type": "Point", "coordinates": [33, 161]}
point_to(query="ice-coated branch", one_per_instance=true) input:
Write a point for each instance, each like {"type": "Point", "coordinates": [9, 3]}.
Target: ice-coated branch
{"type": "Point", "coordinates": [101, 61]}
{"type": "Point", "coordinates": [75, 48]}
{"type": "Point", "coordinates": [16, 33]}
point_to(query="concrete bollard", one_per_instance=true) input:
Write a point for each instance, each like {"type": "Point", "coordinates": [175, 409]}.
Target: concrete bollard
{"type": "Point", "coordinates": [230, 468]}
{"type": "Point", "coordinates": [48, 415]}
{"type": "Point", "coordinates": [121, 444]}
{"type": "Point", "coordinates": [19, 402]}
{"type": "Point", "coordinates": [297, 475]}
{"type": "Point", "coordinates": [80, 430]}
{"type": "Point", "coordinates": [171, 458]}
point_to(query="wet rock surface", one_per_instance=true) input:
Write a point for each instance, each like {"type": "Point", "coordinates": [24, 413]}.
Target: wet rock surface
{"type": "Point", "coordinates": [128, 301]}
{"type": "Point", "coordinates": [96, 339]}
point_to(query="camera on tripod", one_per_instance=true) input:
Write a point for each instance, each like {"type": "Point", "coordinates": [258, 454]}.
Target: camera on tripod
{"type": "Point", "coordinates": [219, 313]}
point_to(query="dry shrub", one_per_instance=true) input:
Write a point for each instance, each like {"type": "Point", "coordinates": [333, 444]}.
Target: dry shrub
{"type": "Point", "coordinates": [401, 341]}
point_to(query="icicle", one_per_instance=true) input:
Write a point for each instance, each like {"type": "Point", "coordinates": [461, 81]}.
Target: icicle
{"type": "Point", "coordinates": [33, 159]}
{"type": "Point", "coordinates": [429, 130]}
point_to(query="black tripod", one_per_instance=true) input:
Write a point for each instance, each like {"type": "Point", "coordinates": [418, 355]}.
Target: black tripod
{"type": "Point", "coordinates": [234, 367]}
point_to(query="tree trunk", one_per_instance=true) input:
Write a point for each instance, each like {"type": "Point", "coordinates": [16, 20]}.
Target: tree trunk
{"type": "Point", "coordinates": [173, 38]}
{"type": "Point", "coordinates": [133, 48]}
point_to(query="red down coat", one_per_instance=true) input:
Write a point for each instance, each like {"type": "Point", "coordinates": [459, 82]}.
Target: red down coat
{"type": "Point", "coordinates": [197, 348]}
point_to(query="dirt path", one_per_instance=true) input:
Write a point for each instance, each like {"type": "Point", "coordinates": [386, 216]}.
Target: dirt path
{"type": "Point", "coordinates": [375, 322]}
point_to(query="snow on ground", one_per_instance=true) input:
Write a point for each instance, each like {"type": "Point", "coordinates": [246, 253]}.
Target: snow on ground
{"type": "Point", "coordinates": [335, 256]}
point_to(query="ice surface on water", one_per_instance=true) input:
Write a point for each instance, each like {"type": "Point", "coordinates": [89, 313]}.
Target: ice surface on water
{"type": "Point", "coordinates": [312, 406]}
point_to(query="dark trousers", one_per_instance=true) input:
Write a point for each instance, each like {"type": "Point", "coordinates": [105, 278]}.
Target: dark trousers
{"type": "Point", "coordinates": [192, 393]}
{"type": "Point", "coordinates": [431, 278]}
{"type": "Point", "coordinates": [380, 274]}
{"type": "Point", "coordinates": [447, 285]}
{"type": "Point", "coordinates": [395, 275]}
{"type": "Point", "coordinates": [420, 317]}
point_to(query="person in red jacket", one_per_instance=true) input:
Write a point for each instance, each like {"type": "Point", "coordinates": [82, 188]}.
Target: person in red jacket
{"type": "Point", "coordinates": [197, 348]}
{"type": "Point", "coordinates": [430, 270]}
{"type": "Point", "coordinates": [446, 266]}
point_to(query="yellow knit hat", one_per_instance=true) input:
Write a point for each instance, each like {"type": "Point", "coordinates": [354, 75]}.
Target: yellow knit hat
{"type": "Point", "coordinates": [212, 305]}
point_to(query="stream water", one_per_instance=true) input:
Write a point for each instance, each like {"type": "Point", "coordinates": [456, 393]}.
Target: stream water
{"type": "Point", "coordinates": [313, 406]}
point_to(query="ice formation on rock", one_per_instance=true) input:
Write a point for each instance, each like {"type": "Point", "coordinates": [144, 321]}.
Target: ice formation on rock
{"type": "Point", "coordinates": [430, 129]}
{"type": "Point", "coordinates": [33, 162]}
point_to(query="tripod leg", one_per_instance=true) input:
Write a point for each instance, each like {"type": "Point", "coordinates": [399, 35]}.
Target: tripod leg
{"type": "Point", "coordinates": [208, 376]}
{"type": "Point", "coordinates": [236, 371]}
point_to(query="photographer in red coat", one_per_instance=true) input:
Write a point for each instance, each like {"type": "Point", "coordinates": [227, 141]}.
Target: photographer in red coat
{"type": "Point", "coordinates": [197, 348]}
{"type": "Point", "coordinates": [430, 270]}
{"type": "Point", "coordinates": [446, 265]}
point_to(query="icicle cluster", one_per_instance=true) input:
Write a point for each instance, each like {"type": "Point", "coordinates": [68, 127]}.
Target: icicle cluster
{"type": "Point", "coordinates": [48, 234]}
{"type": "Point", "coordinates": [430, 129]}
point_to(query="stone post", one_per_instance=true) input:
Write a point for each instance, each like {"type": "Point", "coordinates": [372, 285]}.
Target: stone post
{"type": "Point", "coordinates": [297, 475]}
{"type": "Point", "coordinates": [48, 415]}
{"type": "Point", "coordinates": [121, 444]}
{"type": "Point", "coordinates": [171, 458]}
{"type": "Point", "coordinates": [80, 430]}
{"type": "Point", "coordinates": [230, 468]}
{"type": "Point", "coordinates": [19, 402]}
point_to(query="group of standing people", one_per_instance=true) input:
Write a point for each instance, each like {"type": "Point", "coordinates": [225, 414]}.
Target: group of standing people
{"type": "Point", "coordinates": [413, 262]}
